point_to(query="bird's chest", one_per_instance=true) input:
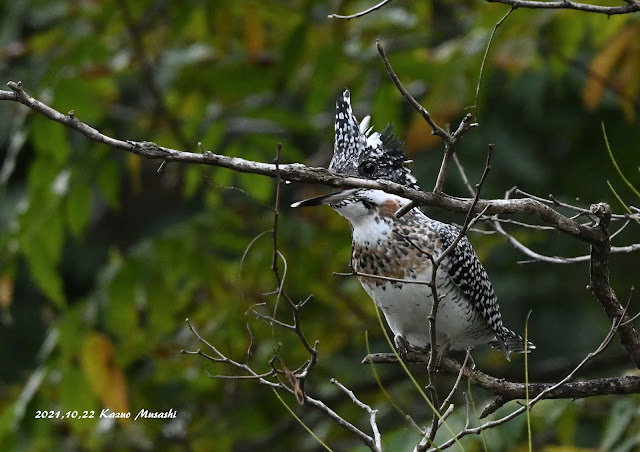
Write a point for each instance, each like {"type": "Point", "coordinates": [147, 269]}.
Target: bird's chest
{"type": "Point", "coordinates": [392, 251]}
{"type": "Point", "coordinates": [398, 266]}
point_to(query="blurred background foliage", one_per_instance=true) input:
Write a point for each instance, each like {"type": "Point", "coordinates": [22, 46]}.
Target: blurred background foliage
{"type": "Point", "coordinates": [102, 258]}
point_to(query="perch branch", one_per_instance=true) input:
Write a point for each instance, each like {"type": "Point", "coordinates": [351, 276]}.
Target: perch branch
{"type": "Point", "coordinates": [600, 285]}
{"type": "Point", "coordinates": [514, 390]}
{"type": "Point", "coordinates": [295, 172]}
{"type": "Point", "coordinates": [631, 7]}
{"type": "Point", "coordinates": [507, 390]}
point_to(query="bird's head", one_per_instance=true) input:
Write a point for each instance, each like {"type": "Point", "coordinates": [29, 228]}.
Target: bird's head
{"type": "Point", "coordinates": [359, 152]}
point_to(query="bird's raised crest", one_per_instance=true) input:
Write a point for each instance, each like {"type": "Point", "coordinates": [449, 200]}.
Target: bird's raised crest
{"type": "Point", "coordinates": [360, 152]}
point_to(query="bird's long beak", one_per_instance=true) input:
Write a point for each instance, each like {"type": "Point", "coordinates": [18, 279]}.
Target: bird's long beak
{"type": "Point", "coordinates": [329, 198]}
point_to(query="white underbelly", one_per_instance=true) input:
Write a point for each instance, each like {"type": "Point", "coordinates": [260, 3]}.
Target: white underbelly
{"type": "Point", "coordinates": [408, 307]}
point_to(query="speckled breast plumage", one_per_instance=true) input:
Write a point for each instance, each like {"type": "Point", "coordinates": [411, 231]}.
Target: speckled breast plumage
{"type": "Point", "coordinates": [398, 249]}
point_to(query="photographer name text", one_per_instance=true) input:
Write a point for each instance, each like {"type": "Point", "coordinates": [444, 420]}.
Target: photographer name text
{"type": "Point", "coordinates": [106, 413]}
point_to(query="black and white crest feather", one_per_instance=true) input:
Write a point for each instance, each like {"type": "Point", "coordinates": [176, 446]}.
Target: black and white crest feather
{"type": "Point", "coordinates": [360, 152]}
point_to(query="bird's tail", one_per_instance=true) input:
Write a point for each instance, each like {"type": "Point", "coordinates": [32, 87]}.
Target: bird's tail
{"type": "Point", "coordinates": [510, 342]}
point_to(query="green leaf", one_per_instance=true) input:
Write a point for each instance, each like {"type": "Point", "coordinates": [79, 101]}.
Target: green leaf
{"type": "Point", "coordinates": [78, 209]}
{"type": "Point", "coordinates": [41, 239]}
{"type": "Point", "coordinates": [259, 187]}
{"type": "Point", "coordinates": [46, 276]}
{"type": "Point", "coordinates": [621, 414]}
{"type": "Point", "coordinates": [83, 97]}
{"type": "Point", "coordinates": [76, 395]}
{"type": "Point", "coordinates": [192, 180]}
{"type": "Point", "coordinates": [50, 139]}
{"type": "Point", "coordinates": [109, 182]}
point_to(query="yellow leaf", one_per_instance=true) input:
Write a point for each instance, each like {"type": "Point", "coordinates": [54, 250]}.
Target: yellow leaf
{"type": "Point", "coordinates": [419, 134]}
{"type": "Point", "coordinates": [224, 32]}
{"type": "Point", "coordinates": [103, 374]}
{"type": "Point", "coordinates": [6, 291]}
{"type": "Point", "coordinates": [134, 165]}
{"type": "Point", "coordinates": [611, 61]}
{"type": "Point", "coordinates": [253, 33]}
{"type": "Point", "coordinates": [627, 78]}
{"type": "Point", "coordinates": [566, 449]}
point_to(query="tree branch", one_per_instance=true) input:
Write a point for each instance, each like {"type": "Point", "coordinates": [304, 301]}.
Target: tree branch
{"type": "Point", "coordinates": [296, 172]}
{"type": "Point", "coordinates": [601, 286]}
{"type": "Point", "coordinates": [361, 13]}
{"type": "Point", "coordinates": [631, 7]}
{"type": "Point", "coordinates": [372, 413]}
{"type": "Point", "coordinates": [508, 390]}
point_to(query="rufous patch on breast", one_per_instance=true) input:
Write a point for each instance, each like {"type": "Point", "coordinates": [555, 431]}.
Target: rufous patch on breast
{"type": "Point", "coordinates": [389, 208]}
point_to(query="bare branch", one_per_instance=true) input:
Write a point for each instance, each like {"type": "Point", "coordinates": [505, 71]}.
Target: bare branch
{"type": "Point", "coordinates": [513, 390]}
{"type": "Point", "coordinates": [454, 388]}
{"type": "Point", "coordinates": [220, 358]}
{"type": "Point", "coordinates": [262, 378]}
{"type": "Point", "coordinates": [601, 286]}
{"type": "Point", "coordinates": [509, 391]}
{"type": "Point", "coordinates": [537, 257]}
{"type": "Point", "coordinates": [436, 129]}
{"type": "Point", "coordinates": [361, 13]}
{"type": "Point", "coordinates": [450, 149]}
{"type": "Point", "coordinates": [463, 175]}
{"type": "Point", "coordinates": [296, 172]}
{"type": "Point", "coordinates": [367, 408]}
{"type": "Point", "coordinates": [529, 252]}
{"type": "Point", "coordinates": [631, 7]}
{"type": "Point", "coordinates": [341, 422]}
{"type": "Point", "coordinates": [486, 53]}
{"type": "Point", "coordinates": [272, 321]}
{"type": "Point", "coordinates": [543, 394]}
{"type": "Point", "coordinates": [384, 278]}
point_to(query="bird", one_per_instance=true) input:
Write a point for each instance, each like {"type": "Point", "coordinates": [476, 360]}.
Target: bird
{"type": "Point", "coordinates": [393, 258]}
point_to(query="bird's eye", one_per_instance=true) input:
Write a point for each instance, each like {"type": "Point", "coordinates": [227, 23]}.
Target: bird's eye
{"type": "Point", "coordinates": [368, 168]}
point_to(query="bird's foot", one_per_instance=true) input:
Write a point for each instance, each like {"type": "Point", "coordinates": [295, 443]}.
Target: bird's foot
{"type": "Point", "coordinates": [402, 345]}
{"type": "Point", "coordinates": [441, 351]}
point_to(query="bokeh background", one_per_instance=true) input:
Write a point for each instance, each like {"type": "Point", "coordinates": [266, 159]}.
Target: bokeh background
{"type": "Point", "coordinates": [102, 258]}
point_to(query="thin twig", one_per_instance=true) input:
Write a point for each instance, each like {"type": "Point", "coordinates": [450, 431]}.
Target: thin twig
{"type": "Point", "coordinates": [454, 388]}
{"type": "Point", "coordinates": [384, 278]}
{"type": "Point", "coordinates": [372, 413]}
{"type": "Point", "coordinates": [361, 13]}
{"type": "Point", "coordinates": [486, 53]}
{"type": "Point", "coordinates": [437, 130]}
{"type": "Point", "coordinates": [463, 175]}
{"type": "Point", "coordinates": [450, 149]}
